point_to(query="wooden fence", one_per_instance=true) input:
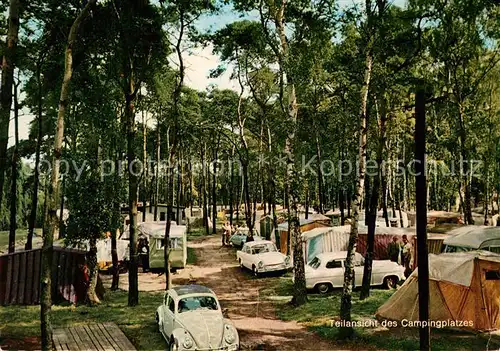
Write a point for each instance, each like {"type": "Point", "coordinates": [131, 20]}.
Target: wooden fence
{"type": "Point", "coordinates": [20, 277]}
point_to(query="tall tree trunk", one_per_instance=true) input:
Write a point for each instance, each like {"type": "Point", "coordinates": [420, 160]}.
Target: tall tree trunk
{"type": "Point", "coordinates": [292, 176]}
{"type": "Point", "coordinates": [145, 166]}
{"type": "Point", "coordinates": [307, 198]}
{"type": "Point", "coordinates": [466, 169]}
{"type": "Point", "coordinates": [170, 200]}
{"type": "Point", "coordinates": [272, 193]}
{"type": "Point", "coordinates": [191, 198]}
{"type": "Point", "coordinates": [486, 186]}
{"type": "Point", "coordinates": [61, 208]}
{"type": "Point", "coordinates": [36, 172]}
{"type": "Point", "coordinates": [349, 201]}
{"type": "Point", "coordinates": [385, 213]}
{"type": "Point", "coordinates": [345, 301]}
{"type": "Point", "coordinates": [238, 199]}
{"type": "Point", "coordinates": [179, 191]}
{"type": "Point", "coordinates": [8, 65]}
{"type": "Point", "coordinates": [157, 171]}
{"type": "Point", "coordinates": [14, 172]}
{"type": "Point", "coordinates": [114, 236]}
{"type": "Point", "coordinates": [133, 291]}
{"type": "Point", "coordinates": [342, 189]}
{"type": "Point", "coordinates": [421, 206]}
{"type": "Point", "coordinates": [114, 258]}
{"type": "Point", "coordinates": [320, 176]}
{"type": "Point", "coordinates": [92, 298]}
{"type": "Point", "coordinates": [203, 188]}
{"type": "Point", "coordinates": [366, 198]}
{"type": "Point", "coordinates": [372, 214]}
{"type": "Point", "coordinates": [231, 187]}
{"type": "Point", "coordinates": [214, 189]}
{"type": "Point", "coordinates": [50, 222]}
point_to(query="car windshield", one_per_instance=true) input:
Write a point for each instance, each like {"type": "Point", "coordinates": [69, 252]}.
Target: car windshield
{"type": "Point", "coordinates": [246, 232]}
{"type": "Point", "coordinates": [261, 248]}
{"type": "Point", "coordinates": [457, 249]}
{"type": "Point", "coordinates": [194, 303]}
{"type": "Point", "coordinates": [315, 263]}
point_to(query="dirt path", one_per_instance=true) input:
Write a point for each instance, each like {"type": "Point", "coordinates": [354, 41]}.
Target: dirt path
{"type": "Point", "coordinates": [238, 292]}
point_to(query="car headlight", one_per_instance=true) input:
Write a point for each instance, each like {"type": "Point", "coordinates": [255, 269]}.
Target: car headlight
{"type": "Point", "coordinates": [261, 264]}
{"type": "Point", "coordinates": [188, 341]}
{"type": "Point", "coordinates": [229, 336]}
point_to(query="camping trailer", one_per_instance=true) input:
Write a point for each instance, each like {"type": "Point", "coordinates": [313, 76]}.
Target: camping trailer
{"type": "Point", "coordinates": [473, 238]}
{"type": "Point", "coordinates": [155, 232]}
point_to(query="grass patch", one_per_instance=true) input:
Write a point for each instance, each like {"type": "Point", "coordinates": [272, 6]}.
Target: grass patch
{"type": "Point", "coordinates": [21, 235]}
{"type": "Point", "coordinates": [191, 256]}
{"type": "Point", "coordinates": [317, 315]}
{"type": "Point", "coordinates": [138, 323]}
{"type": "Point", "coordinates": [196, 233]}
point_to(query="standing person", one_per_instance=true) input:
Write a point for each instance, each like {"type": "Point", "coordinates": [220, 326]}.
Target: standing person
{"type": "Point", "coordinates": [143, 250]}
{"type": "Point", "coordinates": [250, 237]}
{"type": "Point", "coordinates": [225, 234]}
{"type": "Point", "coordinates": [394, 249]}
{"type": "Point", "coordinates": [407, 256]}
{"type": "Point", "coordinates": [145, 263]}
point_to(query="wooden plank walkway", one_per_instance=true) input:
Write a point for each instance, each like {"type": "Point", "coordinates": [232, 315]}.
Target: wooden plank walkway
{"type": "Point", "coordinates": [90, 337]}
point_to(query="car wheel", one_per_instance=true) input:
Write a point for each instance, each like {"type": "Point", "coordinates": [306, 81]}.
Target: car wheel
{"type": "Point", "coordinates": [391, 282]}
{"type": "Point", "coordinates": [254, 271]}
{"type": "Point", "coordinates": [323, 288]}
{"type": "Point", "coordinates": [157, 318]}
{"type": "Point", "coordinates": [173, 345]}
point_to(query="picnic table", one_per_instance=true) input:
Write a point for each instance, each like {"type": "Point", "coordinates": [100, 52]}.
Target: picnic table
{"type": "Point", "coordinates": [96, 336]}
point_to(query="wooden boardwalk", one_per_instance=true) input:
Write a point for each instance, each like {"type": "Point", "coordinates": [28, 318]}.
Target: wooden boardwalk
{"type": "Point", "coordinates": [98, 336]}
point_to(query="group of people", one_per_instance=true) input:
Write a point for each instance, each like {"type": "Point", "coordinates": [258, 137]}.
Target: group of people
{"type": "Point", "coordinates": [401, 253]}
{"type": "Point", "coordinates": [229, 230]}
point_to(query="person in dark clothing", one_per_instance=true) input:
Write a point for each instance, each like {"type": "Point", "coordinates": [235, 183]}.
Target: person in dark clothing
{"type": "Point", "coordinates": [393, 249]}
{"type": "Point", "coordinates": [143, 249]}
{"type": "Point", "coordinates": [250, 237]}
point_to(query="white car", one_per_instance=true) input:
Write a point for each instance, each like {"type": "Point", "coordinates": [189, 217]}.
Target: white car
{"type": "Point", "coordinates": [261, 257]}
{"type": "Point", "coordinates": [326, 271]}
{"type": "Point", "coordinates": [190, 318]}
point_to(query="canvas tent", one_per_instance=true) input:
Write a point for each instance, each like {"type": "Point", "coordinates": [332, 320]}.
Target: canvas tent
{"type": "Point", "coordinates": [383, 237]}
{"type": "Point", "coordinates": [325, 239]}
{"type": "Point", "coordinates": [318, 217]}
{"type": "Point", "coordinates": [463, 287]}
{"type": "Point", "coordinates": [305, 225]}
{"type": "Point", "coordinates": [104, 257]}
{"type": "Point", "coordinates": [334, 216]}
{"type": "Point", "coordinates": [267, 228]}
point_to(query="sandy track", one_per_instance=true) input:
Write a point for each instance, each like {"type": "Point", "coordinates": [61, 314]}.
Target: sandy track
{"type": "Point", "coordinates": [238, 292]}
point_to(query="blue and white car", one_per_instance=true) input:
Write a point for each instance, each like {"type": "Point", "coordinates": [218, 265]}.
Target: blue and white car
{"type": "Point", "coordinates": [240, 237]}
